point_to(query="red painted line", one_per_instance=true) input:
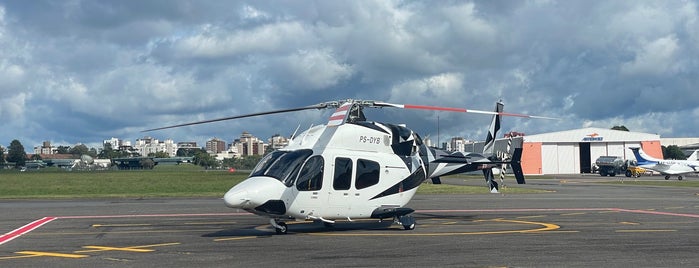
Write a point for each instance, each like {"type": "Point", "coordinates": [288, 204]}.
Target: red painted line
{"type": "Point", "coordinates": [25, 229]}
{"type": "Point", "coordinates": [153, 215]}
{"type": "Point", "coordinates": [515, 210]}
{"type": "Point", "coordinates": [657, 213]}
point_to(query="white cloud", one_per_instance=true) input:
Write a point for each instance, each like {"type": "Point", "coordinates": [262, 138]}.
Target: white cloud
{"type": "Point", "coordinates": [314, 69]}
{"type": "Point", "coordinates": [14, 107]}
{"type": "Point", "coordinates": [654, 58]}
{"type": "Point", "coordinates": [213, 41]}
{"type": "Point", "coordinates": [120, 66]}
{"type": "Point", "coordinates": [441, 87]}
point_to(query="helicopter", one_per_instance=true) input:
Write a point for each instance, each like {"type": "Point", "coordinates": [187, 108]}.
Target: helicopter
{"type": "Point", "coordinates": [353, 168]}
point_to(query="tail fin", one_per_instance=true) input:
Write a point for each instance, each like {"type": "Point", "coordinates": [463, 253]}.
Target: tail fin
{"type": "Point", "coordinates": [694, 156]}
{"type": "Point", "coordinates": [493, 130]}
{"type": "Point", "coordinates": [641, 157]}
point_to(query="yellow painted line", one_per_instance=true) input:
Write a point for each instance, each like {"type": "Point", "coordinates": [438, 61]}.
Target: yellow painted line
{"type": "Point", "coordinates": [234, 238]}
{"type": "Point", "coordinates": [101, 248]}
{"type": "Point", "coordinates": [450, 223]}
{"type": "Point", "coordinates": [52, 254]}
{"type": "Point", "coordinates": [544, 227]}
{"type": "Point", "coordinates": [573, 214]}
{"type": "Point", "coordinates": [674, 207]}
{"type": "Point", "coordinates": [643, 231]}
{"type": "Point", "coordinates": [205, 223]}
{"type": "Point", "coordinates": [133, 248]}
{"type": "Point", "coordinates": [18, 257]}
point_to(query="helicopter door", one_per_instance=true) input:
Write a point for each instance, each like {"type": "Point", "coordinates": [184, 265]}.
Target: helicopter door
{"type": "Point", "coordinates": [308, 200]}
{"type": "Point", "coordinates": [340, 195]}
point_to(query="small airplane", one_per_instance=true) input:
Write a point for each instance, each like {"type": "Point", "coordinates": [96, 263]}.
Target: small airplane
{"type": "Point", "coordinates": [665, 167]}
{"type": "Point", "coordinates": [352, 168]}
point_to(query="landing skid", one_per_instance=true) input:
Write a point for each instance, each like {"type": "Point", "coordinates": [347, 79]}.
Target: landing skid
{"type": "Point", "coordinates": [279, 226]}
{"type": "Point", "coordinates": [407, 221]}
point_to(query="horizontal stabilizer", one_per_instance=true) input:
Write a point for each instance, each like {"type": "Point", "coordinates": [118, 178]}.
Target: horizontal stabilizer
{"type": "Point", "coordinates": [453, 159]}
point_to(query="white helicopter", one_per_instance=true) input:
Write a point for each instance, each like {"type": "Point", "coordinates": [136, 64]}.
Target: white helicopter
{"type": "Point", "coordinates": [352, 168]}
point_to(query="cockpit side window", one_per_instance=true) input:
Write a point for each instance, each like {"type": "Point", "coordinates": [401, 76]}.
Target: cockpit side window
{"type": "Point", "coordinates": [367, 174]}
{"type": "Point", "coordinates": [265, 163]}
{"type": "Point", "coordinates": [342, 179]}
{"type": "Point", "coordinates": [311, 174]}
{"type": "Point", "coordinates": [282, 165]}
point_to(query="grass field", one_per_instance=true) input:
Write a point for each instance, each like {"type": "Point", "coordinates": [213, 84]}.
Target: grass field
{"type": "Point", "coordinates": [163, 181]}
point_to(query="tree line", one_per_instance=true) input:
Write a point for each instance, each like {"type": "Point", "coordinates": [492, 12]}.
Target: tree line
{"type": "Point", "coordinates": [18, 156]}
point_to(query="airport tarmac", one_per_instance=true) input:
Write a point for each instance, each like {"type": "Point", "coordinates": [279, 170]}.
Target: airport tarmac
{"type": "Point", "coordinates": [579, 222]}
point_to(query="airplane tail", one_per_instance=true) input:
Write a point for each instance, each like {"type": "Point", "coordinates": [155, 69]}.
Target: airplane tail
{"type": "Point", "coordinates": [641, 156]}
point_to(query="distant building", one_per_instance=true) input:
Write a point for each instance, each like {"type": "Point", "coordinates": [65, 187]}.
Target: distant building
{"type": "Point", "coordinates": [277, 142]}
{"type": "Point", "coordinates": [215, 146]}
{"type": "Point", "coordinates": [248, 144]}
{"type": "Point", "coordinates": [149, 145]}
{"type": "Point", "coordinates": [574, 151]}
{"type": "Point", "coordinates": [187, 145]}
{"type": "Point", "coordinates": [114, 143]}
{"type": "Point", "coordinates": [457, 144]}
{"type": "Point", "coordinates": [45, 149]}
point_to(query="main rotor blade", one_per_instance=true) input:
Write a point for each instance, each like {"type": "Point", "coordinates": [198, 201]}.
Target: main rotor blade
{"type": "Point", "coordinates": [460, 110]}
{"type": "Point", "coordinates": [317, 106]}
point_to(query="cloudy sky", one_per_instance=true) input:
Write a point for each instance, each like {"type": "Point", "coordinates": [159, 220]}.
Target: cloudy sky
{"type": "Point", "coordinates": [84, 71]}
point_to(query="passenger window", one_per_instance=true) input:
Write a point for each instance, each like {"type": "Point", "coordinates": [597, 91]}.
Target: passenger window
{"type": "Point", "coordinates": [311, 175]}
{"type": "Point", "coordinates": [343, 174]}
{"type": "Point", "coordinates": [367, 173]}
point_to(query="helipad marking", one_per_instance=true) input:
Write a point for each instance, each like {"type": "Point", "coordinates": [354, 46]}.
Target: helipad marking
{"type": "Point", "coordinates": [101, 248]}
{"type": "Point", "coordinates": [144, 248]}
{"type": "Point", "coordinates": [546, 227]}
{"type": "Point", "coordinates": [52, 254]}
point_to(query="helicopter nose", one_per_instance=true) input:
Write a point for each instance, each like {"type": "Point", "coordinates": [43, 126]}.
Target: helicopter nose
{"type": "Point", "coordinates": [236, 199]}
{"type": "Point", "coordinates": [253, 192]}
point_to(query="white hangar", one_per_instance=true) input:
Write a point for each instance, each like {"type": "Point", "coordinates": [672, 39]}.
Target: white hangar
{"type": "Point", "coordinates": [574, 151]}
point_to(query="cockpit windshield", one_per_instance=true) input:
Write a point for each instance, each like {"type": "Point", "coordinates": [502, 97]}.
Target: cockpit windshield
{"type": "Point", "coordinates": [282, 165]}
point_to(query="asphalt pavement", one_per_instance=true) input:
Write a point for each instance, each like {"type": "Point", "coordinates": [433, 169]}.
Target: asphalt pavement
{"type": "Point", "coordinates": [579, 221]}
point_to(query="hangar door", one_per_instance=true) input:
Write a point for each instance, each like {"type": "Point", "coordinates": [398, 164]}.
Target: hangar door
{"type": "Point", "coordinates": [585, 159]}
{"type": "Point", "coordinates": [559, 159]}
